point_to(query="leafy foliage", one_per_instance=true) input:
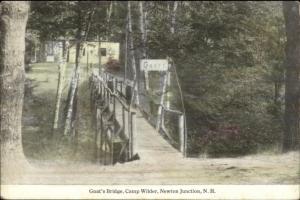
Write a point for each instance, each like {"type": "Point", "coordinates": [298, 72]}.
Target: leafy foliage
{"type": "Point", "coordinates": [229, 59]}
{"type": "Point", "coordinates": [228, 55]}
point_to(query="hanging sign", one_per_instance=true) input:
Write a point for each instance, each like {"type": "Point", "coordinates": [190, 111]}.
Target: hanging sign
{"type": "Point", "coordinates": [154, 65]}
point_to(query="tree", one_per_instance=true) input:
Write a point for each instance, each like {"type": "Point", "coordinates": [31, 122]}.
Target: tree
{"type": "Point", "coordinates": [61, 77]}
{"type": "Point", "coordinates": [134, 71]}
{"type": "Point", "coordinates": [73, 91]}
{"type": "Point", "coordinates": [51, 20]}
{"type": "Point", "coordinates": [71, 104]}
{"type": "Point", "coordinates": [142, 75]}
{"type": "Point", "coordinates": [291, 11]}
{"type": "Point", "coordinates": [142, 18]}
{"type": "Point", "coordinates": [220, 51]}
{"type": "Point", "coordinates": [13, 19]}
{"type": "Point", "coordinates": [173, 17]}
{"type": "Point", "coordinates": [172, 30]}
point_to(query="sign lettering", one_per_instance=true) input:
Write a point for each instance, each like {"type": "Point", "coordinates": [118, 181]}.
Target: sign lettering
{"type": "Point", "coordinates": [154, 65]}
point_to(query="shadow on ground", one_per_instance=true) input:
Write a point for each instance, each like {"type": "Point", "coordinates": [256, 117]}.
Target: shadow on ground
{"type": "Point", "coordinates": [39, 140]}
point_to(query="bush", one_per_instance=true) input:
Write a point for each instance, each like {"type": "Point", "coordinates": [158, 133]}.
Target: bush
{"type": "Point", "coordinates": [113, 65]}
{"type": "Point", "coordinates": [228, 141]}
{"type": "Point", "coordinates": [232, 118]}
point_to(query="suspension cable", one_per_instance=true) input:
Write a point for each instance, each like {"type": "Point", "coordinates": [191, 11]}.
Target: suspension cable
{"type": "Point", "coordinates": [182, 104]}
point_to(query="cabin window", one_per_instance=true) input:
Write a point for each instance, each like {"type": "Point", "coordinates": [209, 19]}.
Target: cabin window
{"type": "Point", "coordinates": [103, 51]}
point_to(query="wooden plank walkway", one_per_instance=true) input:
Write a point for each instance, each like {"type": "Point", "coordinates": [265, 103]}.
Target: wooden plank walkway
{"type": "Point", "coordinates": [148, 143]}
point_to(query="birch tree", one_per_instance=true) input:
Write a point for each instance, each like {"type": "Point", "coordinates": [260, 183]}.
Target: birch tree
{"type": "Point", "coordinates": [143, 75]}
{"type": "Point", "coordinates": [108, 16]}
{"type": "Point", "coordinates": [61, 78]}
{"type": "Point", "coordinates": [73, 92]}
{"type": "Point", "coordinates": [142, 20]}
{"type": "Point", "coordinates": [172, 15]}
{"type": "Point", "coordinates": [132, 56]}
{"type": "Point", "coordinates": [75, 77]}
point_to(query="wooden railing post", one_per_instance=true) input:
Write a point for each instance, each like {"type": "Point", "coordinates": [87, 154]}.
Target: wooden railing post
{"type": "Point", "coordinates": [129, 121]}
{"type": "Point", "coordinates": [181, 133]}
{"type": "Point", "coordinates": [121, 88]}
{"type": "Point", "coordinates": [134, 132]}
{"type": "Point", "coordinates": [162, 123]}
{"type": "Point", "coordinates": [97, 135]}
{"type": "Point", "coordinates": [111, 148]}
{"type": "Point", "coordinates": [101, 139]}
{"type": "Point", "coordinates": [159, 113]}
{"type": "Point", "coordinates": [128, 94]}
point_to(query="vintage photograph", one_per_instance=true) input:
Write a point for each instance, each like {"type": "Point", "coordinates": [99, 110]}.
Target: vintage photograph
{"type": "Point", "coordinates": [182, 96]}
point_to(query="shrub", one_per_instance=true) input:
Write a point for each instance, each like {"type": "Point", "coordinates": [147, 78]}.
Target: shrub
{"type": "Point", "coordinates": [112, 65]}
{"type": "Point", "coordinates": [228, 140]}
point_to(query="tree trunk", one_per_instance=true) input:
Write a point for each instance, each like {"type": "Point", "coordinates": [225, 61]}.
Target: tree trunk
{"type": "Point", "coordinates": [172, 30]}
{"type": "Point", "coordinates": [64, 49]}
{"type": "Point", "coordinates": [143, 75]}
{"type": "Point", "coordinates": [276, 92]}
{"type": "Point", "coordinates": [99, 52]}
{"type": "Point", "coordinates": [132, 56]}
{"type": "Point", "coordinates": [13, 19]}
{"type": "Point", "coordinates": [277, 103]}
{"type": "Point", "coordinates": [73, 101]}
{"type": "Point", "coordinates": [108, 15]}
{"type": "Point", "coordinates": [61, 78]}
{"type": "Point", "coordinates": [173, 17]}
{"type": "Point", "coordinates": [126, 50]}
{"type": "Point", "coordinates": [75, 78]}
{"type": "Point", "coordinates": [292, 79]}
{"type": "Point", "coordinates": [142, 29]}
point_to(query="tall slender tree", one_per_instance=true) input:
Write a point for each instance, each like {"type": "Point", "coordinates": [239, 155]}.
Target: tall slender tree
{"type": "Point", "coordinates": [13, 19]}
{"type": "Point", "coordinates": [172, 30]}
{"type": "Point", "coordinates": [142, 19]}
{"type": "Point", "coordinates": [75, 78]}
{"type": "Point", "coordinates": [173, 17]}
{"type": "Point", "coordinates": [143, 75]}
{"type": "Point", "coordinates": [132, 56]}
{"type": "Point", "coordinates": [73, 91]}
{"type": "Point", "coordinates": [291, 11]}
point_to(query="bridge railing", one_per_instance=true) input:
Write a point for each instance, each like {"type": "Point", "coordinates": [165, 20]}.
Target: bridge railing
{"type": "Point", "coordinates": [114, 123]}
{"type": "Point", "coordinates": [171, 122]}
{"type": "Point", "coordinates": [173, 126]}
{"type": "Point", "coordinates": [124, 87]}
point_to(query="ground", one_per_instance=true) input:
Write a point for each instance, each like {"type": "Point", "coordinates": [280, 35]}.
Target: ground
{"type": "Point", "coordinates": [255, 169]}
{"type": "Point", "coordinates": [160, 164]}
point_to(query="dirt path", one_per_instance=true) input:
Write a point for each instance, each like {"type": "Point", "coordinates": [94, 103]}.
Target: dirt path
{"type": "Point", "coordinates": [256, 169]}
